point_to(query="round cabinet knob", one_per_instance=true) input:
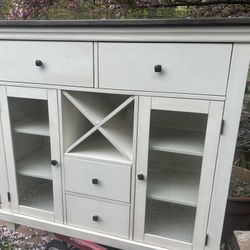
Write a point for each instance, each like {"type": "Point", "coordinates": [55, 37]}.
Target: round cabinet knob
{"type": "Point", "coordinates": [140, 177]}
{"type": "Point", "coordinates": [53, 163]}
{"type": "Point", "coordinates": [95, 181]}
{"type": "Point", "coordinates": [95, 218]}
{"type": "Point", "coordinates": [158, 68]}
{"type": "Point", "coordinates": [39, 63]}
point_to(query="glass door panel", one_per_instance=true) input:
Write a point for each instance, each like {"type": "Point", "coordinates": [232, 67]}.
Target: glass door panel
{"type": "Point", "coordinates": [176, 146]}
{"type": "Point", "coordinates": [32, 153]}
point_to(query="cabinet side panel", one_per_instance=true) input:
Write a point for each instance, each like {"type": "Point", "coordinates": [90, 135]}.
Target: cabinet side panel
{"type": "Point", "coordinates": [232, 112]}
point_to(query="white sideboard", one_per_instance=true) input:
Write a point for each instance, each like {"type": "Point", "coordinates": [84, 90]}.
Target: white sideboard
{"type": "Point", "coordinates": [121, 132]}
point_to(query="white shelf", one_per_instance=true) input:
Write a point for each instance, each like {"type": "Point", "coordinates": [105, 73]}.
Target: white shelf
{"type": "Point", "coordinates": [34, 126]}
{"type": "Point", "coordinates": [36, 165]}
{"type": "Point", "coordinates": [170, 221]}
{"type": "Point", "coordinates": [177, 141]}
{"type": "Point", "coordinates": [96, 147]}
{"type": "Point", "coordinates": [174, 186]}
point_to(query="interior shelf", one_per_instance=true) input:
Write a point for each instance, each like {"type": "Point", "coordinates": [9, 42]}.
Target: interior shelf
{"type": "Point", "coordinates": [174, 186]}
{"type": "Point", "coordinates": [36, 193]}
{"type": "Point", "coordinates": [97, 147]}
{"type": "Point", "coordinates": [170, 221]}
{"type": "Point", "coordinates": [177, 141]}
{"type": "Point", "coordinates": [35, 126]}
{"type": "Point", "coordinates": [36, 164]}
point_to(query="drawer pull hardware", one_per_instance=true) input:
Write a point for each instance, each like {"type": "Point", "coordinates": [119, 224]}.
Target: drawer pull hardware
{"type": "Point", "coordinates": [53, 163]}
{"type": "Point", "coordinates": [158, 68]}
{"type": "Point", "coordinates": [95, 181]}
{"type": "Point", "coordinates": [39, 63]}
{"type": "Point", "coordinates": [140, 177]}
{"type": "Point", "coordinates": [95, 218]}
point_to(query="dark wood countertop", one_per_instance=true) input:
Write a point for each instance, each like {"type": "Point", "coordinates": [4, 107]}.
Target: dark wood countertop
{"type": "Point", "coordinates": [128, 23]}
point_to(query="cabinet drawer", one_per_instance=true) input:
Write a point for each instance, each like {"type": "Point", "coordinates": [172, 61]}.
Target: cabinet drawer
{"type": "Point", "coordinates": [66, 63]}
{"type": "Point", "coordinates": [186, 68]}
{"type": "Point", "coordinates": [104, 180]}
{"type": "Point", "coordinates": [98, 215]}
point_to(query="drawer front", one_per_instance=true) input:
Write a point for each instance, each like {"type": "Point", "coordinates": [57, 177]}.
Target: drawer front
{"type": "Point", "coordinates": [66, 63]}
{"type": "Point", "coordinates": [98, 215]}
{"type": "Point", "coordinates": [186, 68]}
{"type": "Point", "coordinates": [104, 180]}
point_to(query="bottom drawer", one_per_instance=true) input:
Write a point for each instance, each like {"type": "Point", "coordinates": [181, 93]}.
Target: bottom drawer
{"type": "Point", "coordinates": [97, 215]}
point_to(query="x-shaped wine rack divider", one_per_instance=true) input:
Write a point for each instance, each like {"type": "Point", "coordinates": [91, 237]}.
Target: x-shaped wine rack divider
{"type": "Point", "coordinates": [99, 124]}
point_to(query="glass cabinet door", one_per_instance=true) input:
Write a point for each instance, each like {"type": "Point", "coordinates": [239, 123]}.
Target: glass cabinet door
{"type": "Point", "coordinates": [170, 170]}
{"type": "Point", "coordinates": [34, 162]}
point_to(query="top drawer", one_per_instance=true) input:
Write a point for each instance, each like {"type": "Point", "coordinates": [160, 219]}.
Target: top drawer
{"type": "Point", "coordinates": [186, 68]}
{"type": "Point", "coordinates": [66, 63]}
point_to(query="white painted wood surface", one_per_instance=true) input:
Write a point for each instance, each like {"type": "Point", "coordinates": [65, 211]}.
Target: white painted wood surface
{"type": "Point", "coordinates": [185, 34]}
{"type": "Point", "coordinates": [141, 166]}
{"type": "Point", "coordinates": [37, 164]}
{"type": "Point", "coordinates": [106, 117]}
{"type": "Point", "coordinates": [112, 218]}
{"type": "Point", "coordinates": [55, 154]}
{"type": "Point", "coordinates": [208, 86]}
{"type": "Point", "coordinates": [163, 189]}
{"type": "Point", "coordinates": [172, 244]}
{"type": "Point", "coordinates": [18, 91]}
{"type": "Point", "coordinates": [10, 161]}
{"type": "Point", "coordinates": [207, 173]}
{"type": "Point", "coordinates": [135, 71]}
{"type": "Point", "coordinates": [35, 126]}
{"type": "Point", "coordinates": [38, 213]}
{"type": "Point", "coordinates": [180, 105]}
{"type": "Point", "coordinates": [174, 186]}
{"type": "Point", "coordinates": [233, 105]}
{"type": "Point", "coordinates": [64, 63]}
{"type": "Point", "coordinates": [113, 181]}
{"type": "Point", "coordinates": [177, 141]}
{"type": "Point", "coordinates": [97, 147]}
{"type": "Point", "coordinates": [77, 232]}
{"type": "Point", "coordinates": [4, 184]}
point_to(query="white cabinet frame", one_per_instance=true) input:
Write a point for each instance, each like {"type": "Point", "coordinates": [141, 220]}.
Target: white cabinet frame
{"type": "Point", "coordinates": [233, 105]}
{"type": "Point", "coordinates": [214, 109]}
{"type": "Point", "coordinates": [51, 97]}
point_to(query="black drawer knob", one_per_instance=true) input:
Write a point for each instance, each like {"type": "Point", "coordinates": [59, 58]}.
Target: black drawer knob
{"type": "Point", "coordinates": [39, 63]}
{"type": "Point", "coordinates": [53, 162]}
{"type": "Point", "coordinates": [158, 68]}
{"type": "Point", "coordinates": [140, 177]}
{"type": "Point", "coordinates": [95, 181]}
{"type": "Point", "coordinates": [95, 218]}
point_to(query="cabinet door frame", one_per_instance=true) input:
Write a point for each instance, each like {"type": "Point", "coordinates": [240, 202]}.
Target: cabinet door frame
{"type": "Point", "coordinates": [51, 97]}
{"type": "Point", "coordinates": [214, 110]}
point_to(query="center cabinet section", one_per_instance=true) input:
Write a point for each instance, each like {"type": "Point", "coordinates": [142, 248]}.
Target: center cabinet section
{"type": "Point", "coordinates": [175, 167]}
{"type": "Point", "coordinates": [190, 68]}
{"type": "Point", "coordinates": [60, 63]}
{"type": "Point", "coordinates": [98, 146]}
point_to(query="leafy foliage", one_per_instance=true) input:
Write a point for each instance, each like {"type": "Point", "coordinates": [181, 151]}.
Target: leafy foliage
{"type": "Point", "coordinates": [11, 240]}
{"type": "Point", "coordinates": [82, 9]}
